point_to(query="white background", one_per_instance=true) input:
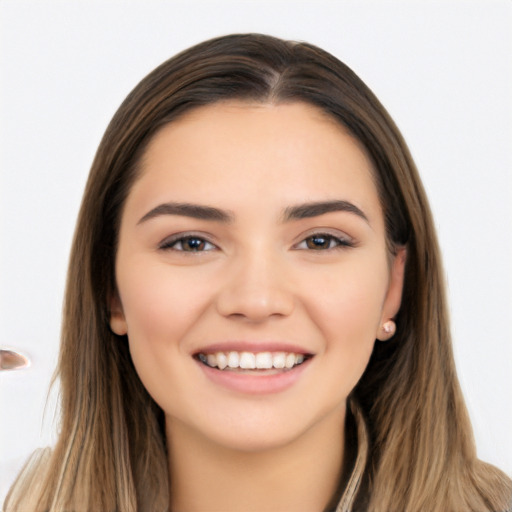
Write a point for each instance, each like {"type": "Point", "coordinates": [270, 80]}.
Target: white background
{"type": "Point", "coordinates": [443, 70]}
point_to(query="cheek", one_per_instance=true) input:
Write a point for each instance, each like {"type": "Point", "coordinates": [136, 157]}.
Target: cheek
{"type": "Point", "coordinates": [159, 304]}
{"type": "Point", "coordinates": [160, 308]}
{"type": "Point", "coordinates": [352, 297]}
{"type": "Point", "coordinates": [347, 310]}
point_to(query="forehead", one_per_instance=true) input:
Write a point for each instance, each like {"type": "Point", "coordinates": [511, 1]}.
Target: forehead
{"type": "Point", "coordinates": [257, 122]}
{"type": "Point", "coordinates": [231, 151]}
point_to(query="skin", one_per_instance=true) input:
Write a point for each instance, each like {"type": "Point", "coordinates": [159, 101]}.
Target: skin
{"type": "Point", "coordinates": [255, 278]}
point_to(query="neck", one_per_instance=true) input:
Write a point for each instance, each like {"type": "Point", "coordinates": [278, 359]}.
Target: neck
{"type": "Point", "coordinates": [301, 476]}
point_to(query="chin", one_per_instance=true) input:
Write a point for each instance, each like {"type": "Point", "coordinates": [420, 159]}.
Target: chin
{"type": "Point", "coordinates": [263, 429]}
{"type": "Point", "coordinates": [256, 440]}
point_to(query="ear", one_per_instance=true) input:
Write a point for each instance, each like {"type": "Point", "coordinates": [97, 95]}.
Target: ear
{"type": "Point", "coordinates": [394, 294]}
{"type": "Point", "coordinates": [117, 319]}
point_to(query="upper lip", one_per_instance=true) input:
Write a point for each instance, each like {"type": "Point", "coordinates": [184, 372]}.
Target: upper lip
{"type": "Point", "coordinates": [252, 346]}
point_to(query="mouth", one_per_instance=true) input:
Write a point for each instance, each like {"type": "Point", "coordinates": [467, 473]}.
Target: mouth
{"type": "Point", "coordinates": [252, 362]}
{"type": "Point", "coordinates": [254, 369]}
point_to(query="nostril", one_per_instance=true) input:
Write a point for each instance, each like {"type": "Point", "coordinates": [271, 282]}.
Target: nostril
{"type": "Point", "coordinates": [257, 304]}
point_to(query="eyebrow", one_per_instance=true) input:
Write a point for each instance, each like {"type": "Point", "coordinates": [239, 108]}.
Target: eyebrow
{"type": "Point", "coordinates": [194, 211]}
{"type": "Point", "coordinates": [314, 209]}
{"type": "Point", "coordinates": [302, 211]}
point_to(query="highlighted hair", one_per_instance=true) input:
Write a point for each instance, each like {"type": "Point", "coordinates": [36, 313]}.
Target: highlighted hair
{"type": "Point", "coordinates": [111, 452]}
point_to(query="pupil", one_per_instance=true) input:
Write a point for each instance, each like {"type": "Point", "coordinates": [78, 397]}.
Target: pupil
{"type": "Point", "coordinates": [318, 242]}
{"type": "Point", "coordinates": [194, 244]}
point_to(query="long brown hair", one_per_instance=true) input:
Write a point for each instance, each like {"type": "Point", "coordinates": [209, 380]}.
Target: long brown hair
{"type": "Point", "coordinates": [111, 452]}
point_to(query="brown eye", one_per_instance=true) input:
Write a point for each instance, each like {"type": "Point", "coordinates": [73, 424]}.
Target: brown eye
{"type": "Point", "coordinates": [318, 242]}
{"type": "Point", "coordinates": [193, 244]}
{"type": "Point", "coordinates": [324, 242]}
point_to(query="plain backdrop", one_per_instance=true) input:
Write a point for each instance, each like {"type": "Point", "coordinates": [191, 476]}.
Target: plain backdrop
{"type": "Point", "coordinates": [443, 70]}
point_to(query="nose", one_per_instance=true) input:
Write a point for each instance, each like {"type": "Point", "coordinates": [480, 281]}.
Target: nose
{"type": "Point", "coordinates": [255, 290]}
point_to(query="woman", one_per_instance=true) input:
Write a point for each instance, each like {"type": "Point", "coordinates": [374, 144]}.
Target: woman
{"type": "Point", "coordinates": [255, 316]}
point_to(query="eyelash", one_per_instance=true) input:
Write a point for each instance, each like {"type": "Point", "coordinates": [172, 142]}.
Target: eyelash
{"type": "Point", "coordinates": [339, 242]}
{"type": "Point", "coordinates": [171, 243]}
{"type": "Point", "coordinates": [334, 243]}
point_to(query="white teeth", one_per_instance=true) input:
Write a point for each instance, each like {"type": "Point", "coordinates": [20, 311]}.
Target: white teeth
{"type": "Point", "coordinates": [279, 360]}
{"type": "Point", "coordinates": [233, 360]}
{"type": "Point", "coordinates": [222, 360]}
{"type": "Point", "coordinates": [264, 360]}
{"type": "Point", "coordinates": [247, 360]}
{"type": "Point", "coordinates": [251, 361]}
{"type": "Point", "coordinates": [290, 360]}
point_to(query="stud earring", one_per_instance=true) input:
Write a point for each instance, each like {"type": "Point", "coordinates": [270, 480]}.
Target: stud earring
{"type": "Point", "coordinates": [388, 329]}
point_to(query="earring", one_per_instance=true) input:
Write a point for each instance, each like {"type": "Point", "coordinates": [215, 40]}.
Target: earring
{"type": "Point", "coordinates": [388, 329]}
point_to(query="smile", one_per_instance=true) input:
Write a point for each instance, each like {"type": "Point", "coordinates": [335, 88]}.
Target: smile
{"type": "Point", "coordinates": [254, 368]}
{"type": "Point", "coordinates": [251, 361]}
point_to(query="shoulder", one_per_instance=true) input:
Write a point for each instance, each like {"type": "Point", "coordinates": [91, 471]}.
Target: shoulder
{"type": "Point", "coordinates": [24, 492]}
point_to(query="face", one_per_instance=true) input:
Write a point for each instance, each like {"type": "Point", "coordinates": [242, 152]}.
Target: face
{"type": "Point", "coordinates": [252, 272]}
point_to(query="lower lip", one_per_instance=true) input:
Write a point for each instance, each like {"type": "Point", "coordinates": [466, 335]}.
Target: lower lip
{"type": "Point", "coordinates": [254, 384]}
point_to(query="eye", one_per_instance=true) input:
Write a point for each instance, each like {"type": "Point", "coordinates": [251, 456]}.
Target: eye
{"type": "Point", "coordinates": [323, 241]}
{"type": "Point", "coordinates": [188, 244]}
